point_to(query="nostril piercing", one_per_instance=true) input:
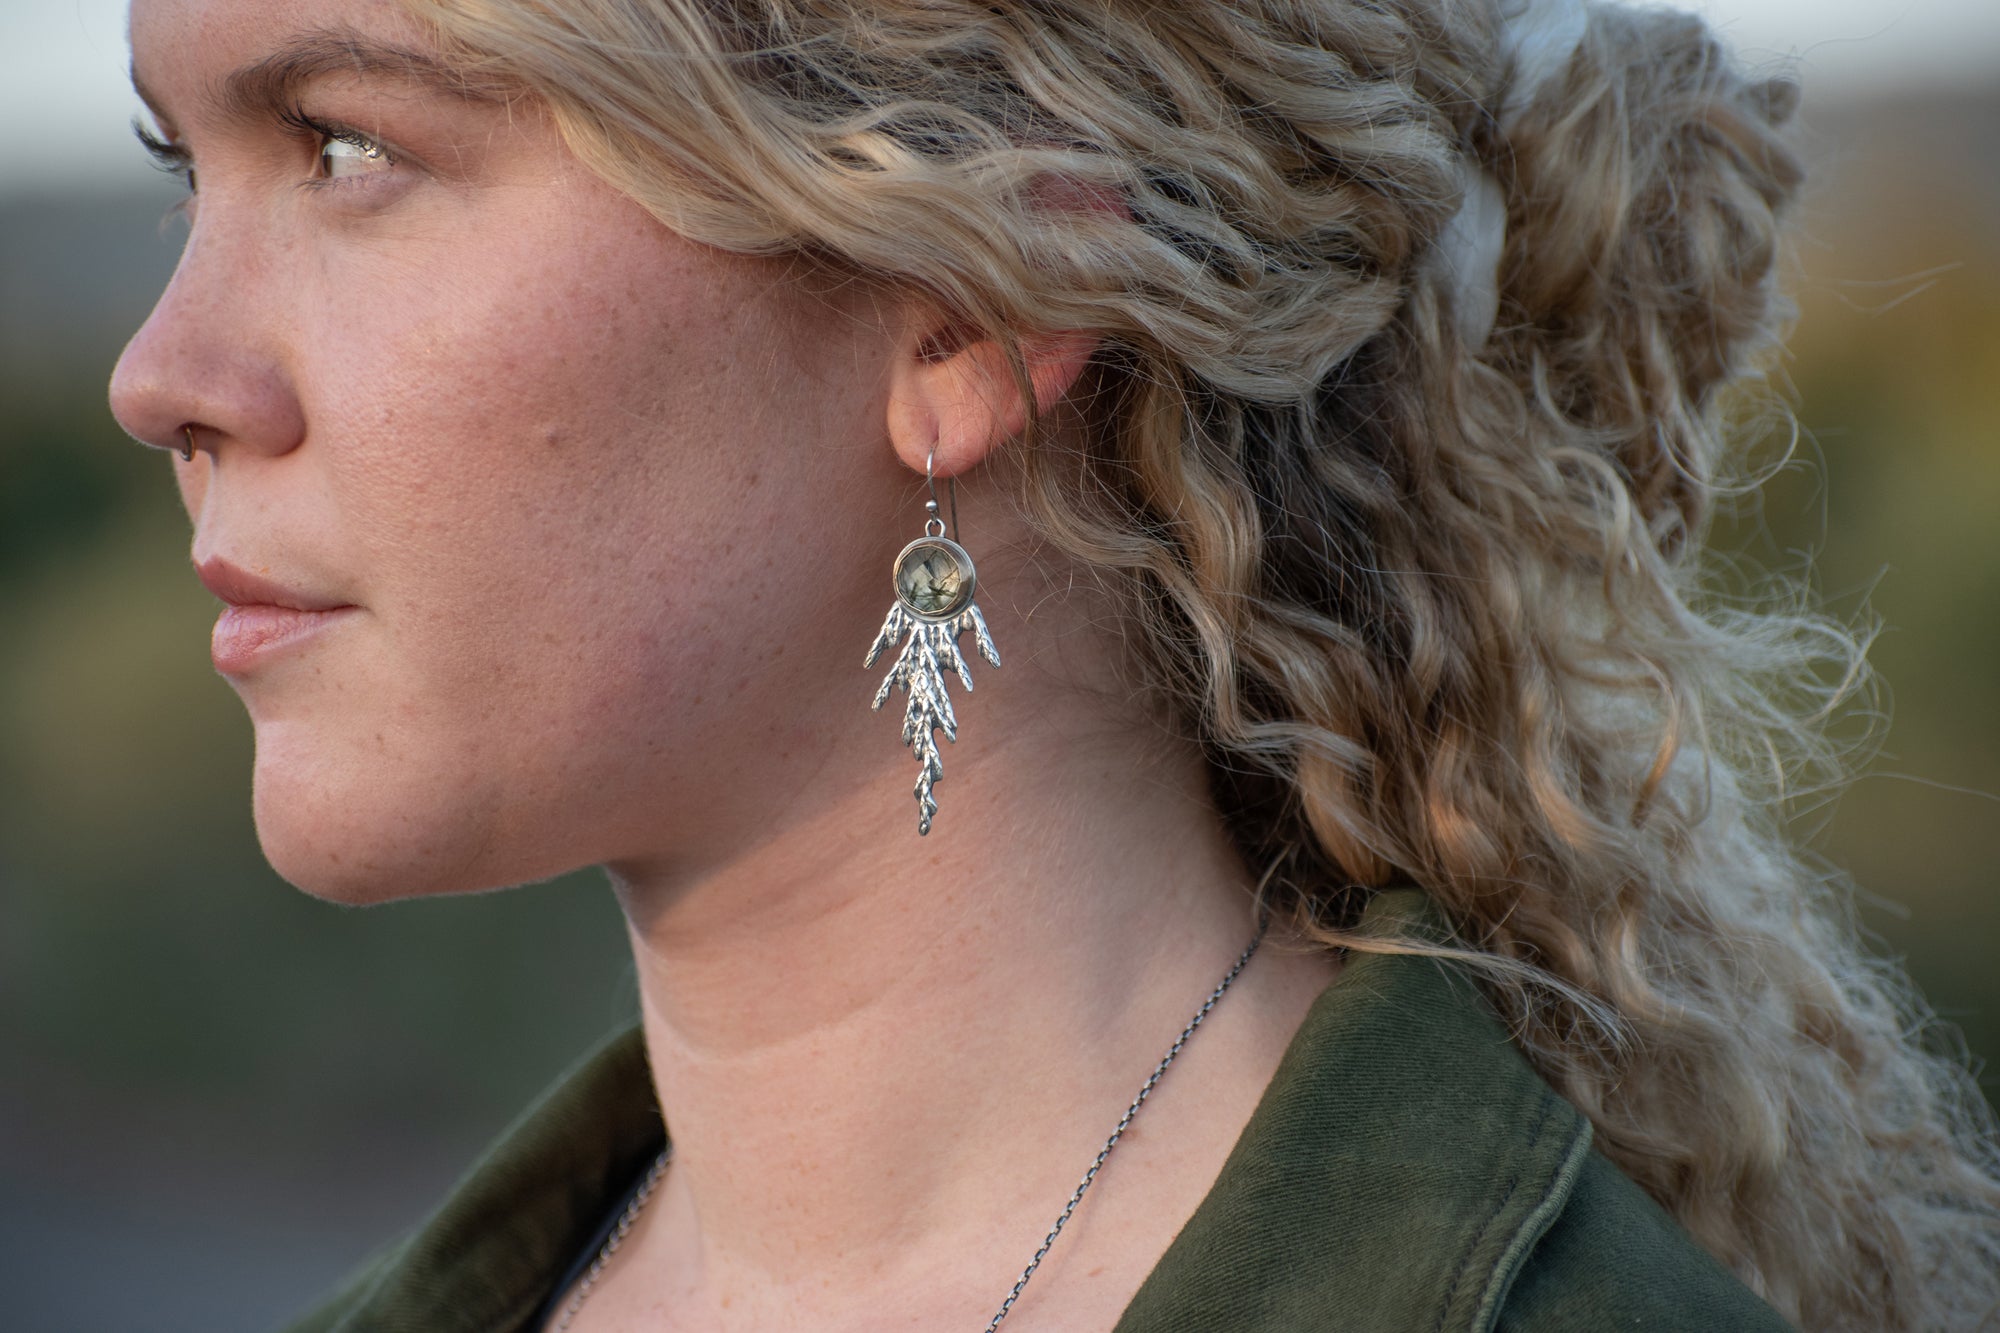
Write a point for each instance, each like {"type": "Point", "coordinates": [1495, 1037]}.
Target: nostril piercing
{"type": "Point", "coordinates": [187, 444]}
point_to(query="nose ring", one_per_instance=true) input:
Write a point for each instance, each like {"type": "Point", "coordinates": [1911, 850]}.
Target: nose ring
{"type": "Point", "coordinates": [187, 444]}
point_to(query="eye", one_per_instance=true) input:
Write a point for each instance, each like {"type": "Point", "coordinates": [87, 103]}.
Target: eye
{"type": "Point", "coordinates": [341, 152]}
{"type": "Point", "coordinates": [344, 154]}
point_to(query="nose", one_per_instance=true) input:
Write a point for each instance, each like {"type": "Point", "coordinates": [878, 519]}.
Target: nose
{"type": "Point", "coordinates": [207, 368]}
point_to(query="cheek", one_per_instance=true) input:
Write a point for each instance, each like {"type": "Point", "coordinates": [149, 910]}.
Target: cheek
{"type": "Point", "coordinates": [571, 502]}
{"type": "Point", "coordinates": [553, 474]}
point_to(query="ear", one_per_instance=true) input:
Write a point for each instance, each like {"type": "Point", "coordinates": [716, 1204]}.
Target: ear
{"type": "Point", "coordinates": [952, 390]}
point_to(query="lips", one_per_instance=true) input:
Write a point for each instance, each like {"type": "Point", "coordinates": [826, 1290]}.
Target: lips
{"type": "Point", "coordinates": [264, 615]}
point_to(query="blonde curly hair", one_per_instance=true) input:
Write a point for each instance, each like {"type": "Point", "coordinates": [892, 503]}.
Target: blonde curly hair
{"type": "Point", "coordinates": [1437, 613]}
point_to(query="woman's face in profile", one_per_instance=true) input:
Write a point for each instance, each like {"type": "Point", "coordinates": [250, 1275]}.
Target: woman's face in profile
{"type": "Point", "coordinates": [578, 512]}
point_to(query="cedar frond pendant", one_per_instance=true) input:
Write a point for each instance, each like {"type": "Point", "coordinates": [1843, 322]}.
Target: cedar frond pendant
{"type": "Point", "coordinates": [934, 586]}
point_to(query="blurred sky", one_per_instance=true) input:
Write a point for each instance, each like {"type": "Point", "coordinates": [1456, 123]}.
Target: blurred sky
{"type": "Point", "coordinates": [64, 101]}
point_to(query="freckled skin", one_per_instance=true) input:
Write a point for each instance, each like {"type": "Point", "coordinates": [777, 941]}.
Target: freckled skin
{"type": "Point", "coordinates": [545, 444]}
{"type": "Point", "coordinates": [618, 515]}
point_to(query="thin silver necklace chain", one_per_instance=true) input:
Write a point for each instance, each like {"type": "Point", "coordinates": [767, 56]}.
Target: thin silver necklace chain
{"type": "Point", "coordinates": [615, 1239]}
{"type": "Point", "coordinates": [653, 1173]}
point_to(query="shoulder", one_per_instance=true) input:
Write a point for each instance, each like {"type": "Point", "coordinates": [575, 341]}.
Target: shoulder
{"type": "Point", "coordinates": [1612, 1258]}
{"type": "Point", "coordinates": [1408, 1169]}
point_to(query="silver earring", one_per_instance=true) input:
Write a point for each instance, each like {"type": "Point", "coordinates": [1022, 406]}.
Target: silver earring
{"type": "Point", "coordinates": [934, 582]}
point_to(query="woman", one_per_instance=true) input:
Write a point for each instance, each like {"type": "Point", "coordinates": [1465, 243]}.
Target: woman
{"type": "Point", "coordinates": [1327, 395]}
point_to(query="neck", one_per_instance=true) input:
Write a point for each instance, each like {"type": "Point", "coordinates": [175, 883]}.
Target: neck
{"type": "Point", "coordinates": [876, 1053]}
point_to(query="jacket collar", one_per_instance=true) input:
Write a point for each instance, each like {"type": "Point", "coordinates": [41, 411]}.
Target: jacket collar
{"type": "Point", "coordinates": [1401, 1164]}
{"type": "Point", "coordinates": [483, 1261]}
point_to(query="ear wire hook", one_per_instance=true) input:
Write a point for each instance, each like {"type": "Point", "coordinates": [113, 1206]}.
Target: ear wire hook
{"type": "Point", "coordinates": [931, 505]}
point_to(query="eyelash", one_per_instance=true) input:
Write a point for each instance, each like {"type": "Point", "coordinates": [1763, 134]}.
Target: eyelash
{"type": "Point", "coordinates": [175, 160]}
{"type": "Point", "coordinates": [168, 157]}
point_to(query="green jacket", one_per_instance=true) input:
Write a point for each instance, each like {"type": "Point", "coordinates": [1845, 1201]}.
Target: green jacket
{"type": "Point", "coordinates": [1405, 1171]}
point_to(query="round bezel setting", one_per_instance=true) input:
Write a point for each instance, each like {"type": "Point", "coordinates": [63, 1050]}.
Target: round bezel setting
{"type": "Point", "coordinates": [934, 578]}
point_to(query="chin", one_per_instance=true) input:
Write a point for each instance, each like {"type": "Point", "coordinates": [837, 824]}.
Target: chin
{"type": "Point", "coordinates": [370, 832]}
{"type": "Point", "coordinates": [342, 855]}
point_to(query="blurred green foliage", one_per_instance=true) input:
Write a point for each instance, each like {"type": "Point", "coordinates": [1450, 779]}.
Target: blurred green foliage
{"type": "Point", "coordinates": [1895, 367]}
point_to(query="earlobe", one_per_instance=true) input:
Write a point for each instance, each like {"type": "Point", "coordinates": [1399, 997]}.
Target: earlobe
{"type": "Point", "coordinates": [955, 392]}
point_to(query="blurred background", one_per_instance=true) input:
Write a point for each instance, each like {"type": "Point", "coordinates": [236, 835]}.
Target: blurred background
{"type": "Point", "coordinates": [217, 1094]}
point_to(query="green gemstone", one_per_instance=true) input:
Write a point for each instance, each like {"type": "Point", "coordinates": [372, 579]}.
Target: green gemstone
{"type": "Point", "coordinates": [930, 581]}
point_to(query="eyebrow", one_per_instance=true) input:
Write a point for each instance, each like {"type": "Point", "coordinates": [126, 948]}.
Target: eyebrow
{"type": "Point", "coordinates": [272, 85]}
